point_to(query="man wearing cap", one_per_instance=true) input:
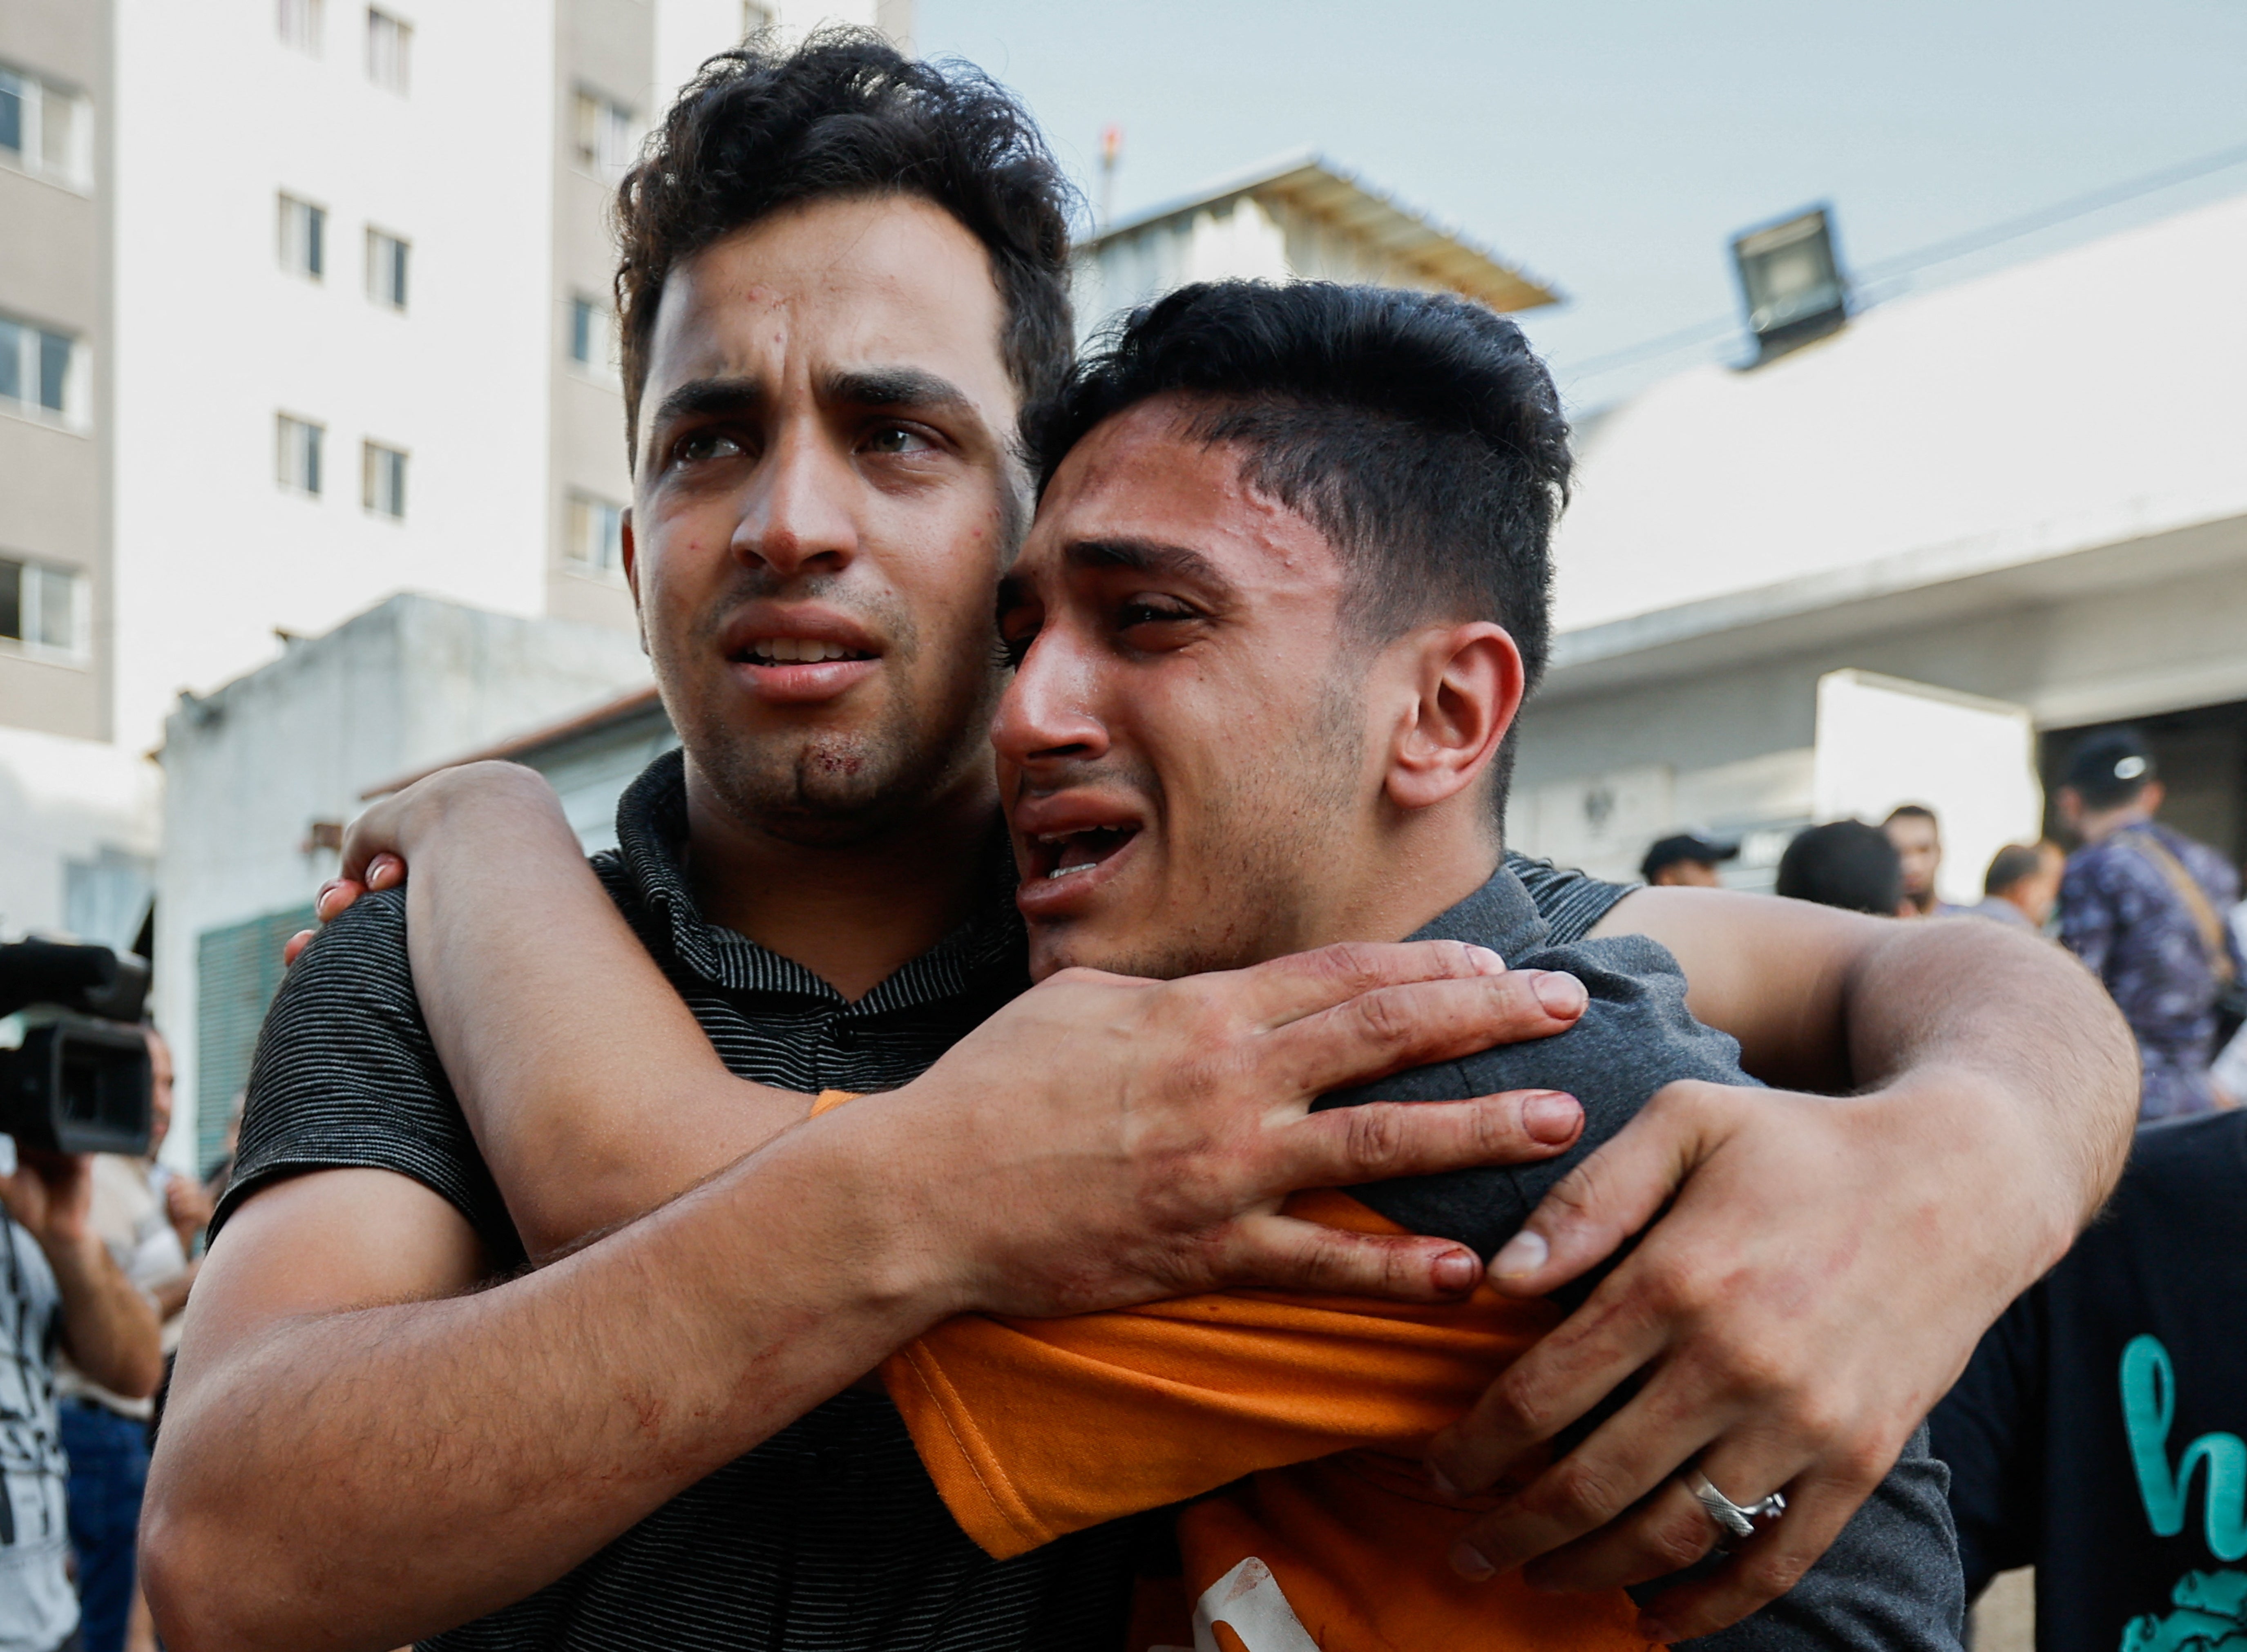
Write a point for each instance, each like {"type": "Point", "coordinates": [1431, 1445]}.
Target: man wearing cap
{"type": "Point", "coordinates": [1685, 862]}
{"type": "Point", "coordinates": [2142, 905]}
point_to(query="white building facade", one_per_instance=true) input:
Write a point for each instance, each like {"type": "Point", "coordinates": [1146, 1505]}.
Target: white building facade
{"type": "Point", "coordinates": [1914, 562]}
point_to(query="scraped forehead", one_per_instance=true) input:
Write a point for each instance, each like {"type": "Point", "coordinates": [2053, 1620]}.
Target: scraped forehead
{"type": "Point", "coordinates": [1146, 475]}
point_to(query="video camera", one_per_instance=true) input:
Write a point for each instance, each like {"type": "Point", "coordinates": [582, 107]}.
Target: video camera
{"type": "Point", "coordinates": [74, 1073]}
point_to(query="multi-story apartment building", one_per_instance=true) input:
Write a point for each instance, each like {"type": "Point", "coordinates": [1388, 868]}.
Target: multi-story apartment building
{"type": "Point", "coordinates": [364, 332]}
{"type": "Point", "coordinates": [301, 303]}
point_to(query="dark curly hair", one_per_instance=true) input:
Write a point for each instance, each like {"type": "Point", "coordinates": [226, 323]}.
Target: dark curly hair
{"type": "Point", "coordinates": [1417, 431]}
{"type": "Point", "coordinates": [846, 114]}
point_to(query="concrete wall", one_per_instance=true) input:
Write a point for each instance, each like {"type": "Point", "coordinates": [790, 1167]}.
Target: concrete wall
{"type": "Point", "coordinates": [249, 768]}
{"type": "Point", "coordinates": [1728, 747]}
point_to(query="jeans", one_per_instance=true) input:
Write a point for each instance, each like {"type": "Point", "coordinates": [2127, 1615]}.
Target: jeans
{"type": "Point", "coordinates": [108, 1471]}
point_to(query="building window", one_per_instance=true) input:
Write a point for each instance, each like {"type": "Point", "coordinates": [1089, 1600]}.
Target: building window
{"type": "Point", "coordinates": [297, 453]}
{"type": "Point", "coordinates": [298, 24]}
{"type": "Point", "coordinates": [45, 130]}
{"type": "Point", "coordinates": [597, 536]}
{"type": "Point", "coordinates": [304, 238]}
{"type": "Point", "coordinates": [43, 609]}
{"type": "Point", "coordinates": [386, 268]}
{"type": "Point", "coordinates": [389, 42]}
{"type": "Point", "coordinates": [382, 480]}
{"type": "Point", "coordinates": [606, 146]}
{"type": "Point", "coordinates": [40, 373]}
{"type": "Point", "coordinates": [593, 339]}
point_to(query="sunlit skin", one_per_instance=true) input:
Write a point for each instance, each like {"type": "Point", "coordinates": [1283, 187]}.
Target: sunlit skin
{"type": "Point", "coordinates": [1233, 772]}
{"type": "Point", "coordinates": [823, 466]}
{"type": "Point", "coordinates": [1919, 845]}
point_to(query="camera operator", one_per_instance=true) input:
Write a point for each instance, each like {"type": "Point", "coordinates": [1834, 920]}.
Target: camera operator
{"type": "Point", "coordinates": [59, 1289]}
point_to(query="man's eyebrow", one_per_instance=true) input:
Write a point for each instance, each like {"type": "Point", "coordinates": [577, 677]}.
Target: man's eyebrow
{"type": "Point", "coordinates": [896, 387]}
{"type": "Point", "coordinates": [698, 398]}
{"type": "Point", "coordinates": [1147, 555]}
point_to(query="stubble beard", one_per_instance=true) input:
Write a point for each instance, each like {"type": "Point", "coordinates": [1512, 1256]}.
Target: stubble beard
{"type": "Point", "coordinates": [840, 787]}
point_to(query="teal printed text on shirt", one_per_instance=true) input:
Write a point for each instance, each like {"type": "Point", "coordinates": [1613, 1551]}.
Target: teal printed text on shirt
{"type": "Point", "coordinates": [2148, 1408]}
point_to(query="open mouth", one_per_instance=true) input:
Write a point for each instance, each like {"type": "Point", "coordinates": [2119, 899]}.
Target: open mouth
{"type": "Point", "coordinates": [1057, 854]}
{"type": "Point", "coordinates": [792, 650]}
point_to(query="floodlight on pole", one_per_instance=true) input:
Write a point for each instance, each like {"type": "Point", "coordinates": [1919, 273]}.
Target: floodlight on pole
{"type": "Point", "coordinates": [1790, 282]}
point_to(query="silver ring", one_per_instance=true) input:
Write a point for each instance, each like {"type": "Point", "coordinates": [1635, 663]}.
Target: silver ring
{"type": "Point", "coordinates": [1738, 1522]}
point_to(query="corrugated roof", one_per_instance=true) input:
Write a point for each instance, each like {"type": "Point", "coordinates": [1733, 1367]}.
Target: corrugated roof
{"type": "Point", "coordinates": [1320, 189]}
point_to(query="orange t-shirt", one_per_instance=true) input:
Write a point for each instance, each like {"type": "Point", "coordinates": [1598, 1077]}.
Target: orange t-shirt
{"type": "Point", "coordinates": [1296, 1422]}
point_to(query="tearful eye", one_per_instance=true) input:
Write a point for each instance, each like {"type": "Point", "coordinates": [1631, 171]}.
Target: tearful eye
{"type": "Point", "coordinates": [1151, 611]}
{"type": "Point", "coordinates": [896, 439]}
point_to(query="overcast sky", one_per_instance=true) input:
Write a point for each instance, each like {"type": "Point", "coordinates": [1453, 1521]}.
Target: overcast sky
{"type": "Point", "coordinates": [1612, 148]}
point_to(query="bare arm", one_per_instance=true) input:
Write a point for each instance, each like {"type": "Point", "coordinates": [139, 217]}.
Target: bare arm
{"type": "Point", "coordinates": [363, 1448]}
{"type": "Point", "coordinates": [1827, 1267]}
{"type": "Point", "coordinates": [594, 1094]}
{"type": "Point", "coordinates": [109, 1329]}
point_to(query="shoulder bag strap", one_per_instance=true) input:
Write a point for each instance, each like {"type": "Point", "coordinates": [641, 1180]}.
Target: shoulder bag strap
{"type": "Point", "coordinates": [2204, 917]}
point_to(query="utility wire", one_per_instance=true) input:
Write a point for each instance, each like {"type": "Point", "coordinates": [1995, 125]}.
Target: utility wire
{"type": "Point", "coordinates": [1887, 270]}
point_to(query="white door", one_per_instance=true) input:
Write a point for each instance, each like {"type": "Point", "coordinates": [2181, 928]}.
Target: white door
{"type": "Point", "coordinates": [1883, 741]}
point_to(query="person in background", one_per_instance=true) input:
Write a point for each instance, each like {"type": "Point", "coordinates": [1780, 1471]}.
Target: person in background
{"type": "Point", "coordinates": [2082, 1422]}
{"type": "Point", "coordinates": [1918, 839]}
{"type": "Point", "coordinates": [1685, 862]}
{"type": "Point", "coordinates": [104, 1432]}
{"type": "Point", "coordinates": [63, 1291]}
{"type": "Point", "coordinates": [2022, 885]}
{"type": "Point", "coordinates": [2143, 906]}
{"type": "Point", "coordinates": [1844, 863]}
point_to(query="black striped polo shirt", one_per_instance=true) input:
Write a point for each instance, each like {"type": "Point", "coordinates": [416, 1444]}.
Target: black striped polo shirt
{"type": "Point", "coordinates": [830, 1536]}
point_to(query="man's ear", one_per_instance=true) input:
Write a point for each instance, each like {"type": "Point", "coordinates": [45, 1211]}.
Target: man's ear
{"type": "Point", "coordinates": [1469, 681]}
{"type": "Point", "coordinates": [631, 579]}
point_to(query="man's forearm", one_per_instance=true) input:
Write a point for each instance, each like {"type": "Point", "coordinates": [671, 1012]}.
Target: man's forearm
{"type": "Point", "coordinates": [364, 1478]}
{"type": "Point", "coordinates": [2046, 1047]}
{"type": "Point", "coordinates": [109, 1329]}
{"type": "Point", "coordinates": [594, 1094]}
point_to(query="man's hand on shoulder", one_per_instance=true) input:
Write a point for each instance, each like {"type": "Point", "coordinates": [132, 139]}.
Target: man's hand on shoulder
{"type": "Point", "coordinates": [1105, 1141]}
{"type": "Point", "coordinates": [1820, 1269]}
{"type": "Point", "coordinates": [488, 796]}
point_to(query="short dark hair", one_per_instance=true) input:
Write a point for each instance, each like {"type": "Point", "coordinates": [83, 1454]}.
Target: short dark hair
{"type": "Point", "coordinates": [1912, 811]}
{"type": "Point", "coordinates": [1417, 431]}
{"type": "Point", "coordinates": [1845, 864]}
{"type": "Point", "coordinates": [2011, 865]}
{"type": "Point", "coordinates": [845, 114]}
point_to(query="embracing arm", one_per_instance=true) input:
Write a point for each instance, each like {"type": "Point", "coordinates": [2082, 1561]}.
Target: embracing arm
{"type": "Point", "coordinates": [1824, 1267]}
{"type": "Point", "coordinates": [1838, 1003]}
{"type": "Point", "coordinates": [363, 1448]}
{"type": "Point", "coordinates": [594, 1094]}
